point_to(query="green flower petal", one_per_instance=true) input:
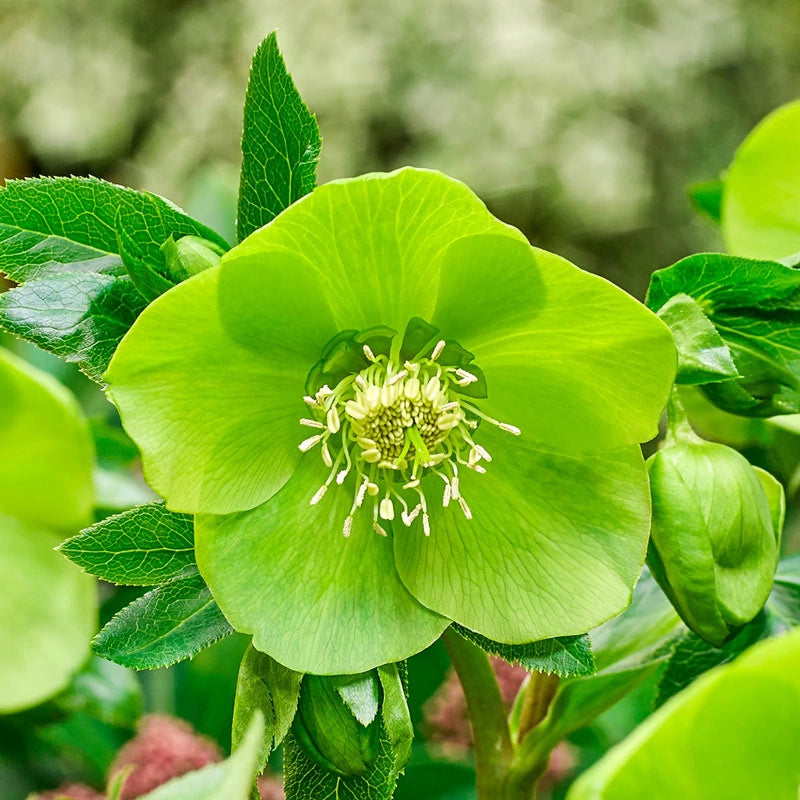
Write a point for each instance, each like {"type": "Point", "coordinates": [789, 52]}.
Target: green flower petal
{"type": "Point", "coordinates": [312, 599]}
{"type": "Point", "coordinates": [47, 615]}
{"type": "Point", "coordinates": [209, 382]}
{"type": "Point", "coordinates": [569, 358]}
{"type": "Point", "coordinates": [45, 449]}
{"type": "Point", "coordinates": [375, 241]}
{"type": "Point", "coordinates": [761, 200]}
{"type": "Point", "coordinates": [554, 547]}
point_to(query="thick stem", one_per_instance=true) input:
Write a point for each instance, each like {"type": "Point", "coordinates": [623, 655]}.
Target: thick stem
{"type": "Point", "coordinates": [487, 713]}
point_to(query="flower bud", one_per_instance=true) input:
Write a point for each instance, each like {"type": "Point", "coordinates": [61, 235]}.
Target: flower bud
{"type": "Point", "coordinates": [327, 730]}
{"type": "Point", "coordinates": [715, 543]}
{"type": "Point", "coordinates": [189, 255]}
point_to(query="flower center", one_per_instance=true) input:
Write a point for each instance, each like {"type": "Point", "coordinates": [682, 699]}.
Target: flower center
{"type": "Point", "coordinates": [393, 422]}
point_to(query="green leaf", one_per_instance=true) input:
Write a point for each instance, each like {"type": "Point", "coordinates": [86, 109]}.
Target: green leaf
{"type": "Point", "coordinates": [104, 691]}
{"type": "Point", "coordinates": [267, 687]}
{"type": "Point", "coordinates": [395, 714]}
{"type": "Point", "coordinates": [58, 237]}
{"type": "Point", "coordinates": [761, 204]}
{"type": "Point", "coordinates": [54, 225]}
{"type": "Point", "coordinates": [229, 780]}
{"type": "Point", "coordinates": [692, 656]}
{"type": "Point", "coordinates": [784, 600]}
{"type": "Point", "coordinates": [145, 546]}
{"type": "Point", "coordinates": [703, 356]}
{"type": "Point", "coordinates": [164, 626]}
{"type": "Point", "coordinates": [80, 317]}
{"type": "Point", "coordinates": [755, 307]}
{"type": "Point", "coordinates": [48, 612]}
{"type": "Point", "coordinates": [45, 449]}
{"type": "Point", "coordinates": [734, 733]}
{"type": "Point", "coordinates": [563, 656]}
{"type": "Point", "coordinates": [280, 142]}
{"type": "Point", "coordinates": [706, 199]}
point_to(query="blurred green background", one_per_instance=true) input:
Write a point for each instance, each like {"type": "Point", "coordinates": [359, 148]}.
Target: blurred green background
{"type": "Point", "coordinates": [580, 122]}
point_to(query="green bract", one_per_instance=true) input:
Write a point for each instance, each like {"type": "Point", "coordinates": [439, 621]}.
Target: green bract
{"type": "Point", "coordinates": [389, 412]}
{"type": "Point", "coordinates": [716, 531]}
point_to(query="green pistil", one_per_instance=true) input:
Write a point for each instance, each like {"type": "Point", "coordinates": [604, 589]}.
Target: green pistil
{"type": "Point", "coordinates": [389, 425]}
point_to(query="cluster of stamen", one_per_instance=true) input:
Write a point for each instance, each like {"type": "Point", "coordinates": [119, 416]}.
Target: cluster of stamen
{"type": "Point", "coordinates": [390, 425]}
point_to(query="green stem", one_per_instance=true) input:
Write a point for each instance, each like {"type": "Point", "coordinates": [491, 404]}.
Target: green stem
{"type": "Point", "coordinates": [539, 693]}
{"type": "Point", "coordinates": [487, 713]}
{"type": "Point", "coordinates": [678, 426]}
{"type": "Point", "coordinates": [531, 758]}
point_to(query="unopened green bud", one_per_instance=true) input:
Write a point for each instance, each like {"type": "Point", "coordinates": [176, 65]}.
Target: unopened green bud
{"type": "Point", "coordinates": [715, 538]}
{"type": "Point", "coordinates": [329, 732]}
{"type": "Point", "coordinates": [190, 255]}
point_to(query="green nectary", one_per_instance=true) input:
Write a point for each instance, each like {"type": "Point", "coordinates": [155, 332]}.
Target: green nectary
{"type": "Point", "coordinates": [415, 338]}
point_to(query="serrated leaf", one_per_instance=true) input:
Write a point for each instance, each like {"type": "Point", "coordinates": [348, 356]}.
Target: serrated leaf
{"type": "Point", "coordinates": [305, 779]}
{"type": "Point", "coordinates": [58, 237]}
{"type": "Point", "coordinates": [53, 225]}
{"type": "Point", "coordinates": [361, 694]}
{"type": "Point", "coordinates": [280, 142]}
{"type": "Point", "coordinates": [229, 780]}
{"type": "Point", "coordinates": [268, 687]}
{"type": "Point", "coordinates": [395, 713]}
{"type": "Point", "coordinates": [80, 317]}
{"type": "Point", "coordinates": [703, 356]}
{"type": "Point", "coordinates": [755, 307]}
{"type": "Point", "coordinates": [563, 656]}
{"type": "Point", "coordinates": [168, 624]}
{"type": "Point", "coordinates": [692, 656]}
{"type": "Point", "coordinates": [145, 546]}
{"type": "Point", "coordinates": [706, 199]}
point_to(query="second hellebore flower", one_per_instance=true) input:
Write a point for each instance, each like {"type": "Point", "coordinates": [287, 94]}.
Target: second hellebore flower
{"type": "Point", "coordinates": [389, 412]}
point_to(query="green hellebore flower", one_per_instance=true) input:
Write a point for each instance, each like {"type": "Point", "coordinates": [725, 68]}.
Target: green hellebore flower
{"type": "Point", "coordinates": [471, 406]}
{"type": "Point", "coordinates": [716, 531]}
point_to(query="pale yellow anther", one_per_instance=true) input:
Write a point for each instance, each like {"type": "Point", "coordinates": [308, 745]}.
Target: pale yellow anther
{"type": "Point", "coordinates": [371, 456]}
{"type": "Point", "coordinates": [437, 351]}
{"type": "Point", "coordinates": [411, 388]}
{"type": "Point", "coordinates": [372, 489]}
{"type": "Point", "coordinates": [504, 426]}
{"type": "Point", "coordinates": [327, 460]}
{"type": "Point", "coordinates": [387, 509]}
{"type": "Point", "coordinates": [307, 444]}
{"type": "Point", "coordinates": [320, 493]}
{"type": "Point", "coordinates": [312, 423]}
{"type": "Point", "coordinates": [334, 423]}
